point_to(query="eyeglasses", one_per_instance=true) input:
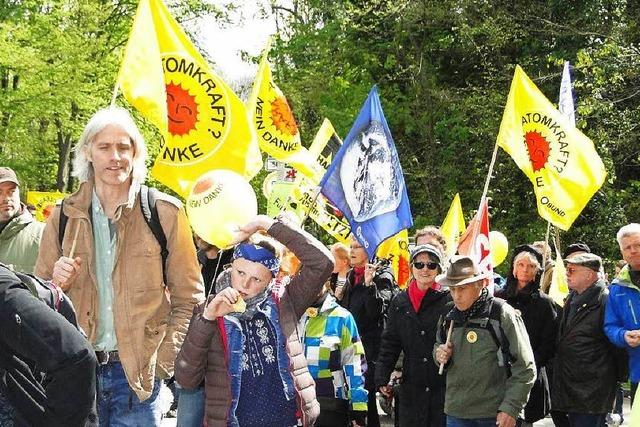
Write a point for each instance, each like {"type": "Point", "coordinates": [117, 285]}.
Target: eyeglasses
{"type": "Point", "coordinates": [430, 265]}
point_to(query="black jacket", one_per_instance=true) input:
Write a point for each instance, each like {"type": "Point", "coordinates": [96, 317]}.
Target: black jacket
{"type": "Point", "coordinates": [584, 368]}
{"type": "Point", "coordinates": [36, 339]}
{"type": "Point", "coordinates": [366, 304]}
{"type": "Point", "coordinates": [536, 308]}
{"type": "Point", "coordinates": [423, 390]}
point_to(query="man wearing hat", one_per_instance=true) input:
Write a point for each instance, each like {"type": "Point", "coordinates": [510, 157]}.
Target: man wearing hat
{"type": "Point", "coordinates": [20, 233]}
{"type": "Point", "coordinates": [411, 328]}
{"type": "Point", "coordinates": [488, 359]}
{"type": "Point", "coordinates": [584, 369]}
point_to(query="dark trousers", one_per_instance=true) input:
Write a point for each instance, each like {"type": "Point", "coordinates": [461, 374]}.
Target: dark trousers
{"type": "Point", "coordinates": [587, 420]}
{"type": "Point", "coordinates": [373, 419]}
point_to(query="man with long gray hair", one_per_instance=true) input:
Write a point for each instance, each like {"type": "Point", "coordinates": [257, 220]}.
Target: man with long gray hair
{"type": "Point", "coordinates": [133, 291]}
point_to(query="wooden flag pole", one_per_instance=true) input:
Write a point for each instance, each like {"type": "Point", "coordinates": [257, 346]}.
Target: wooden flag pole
{"type": "Point", "coordinates": [75, 240]}
{"type": "Point", "coordinates": [441, 370]}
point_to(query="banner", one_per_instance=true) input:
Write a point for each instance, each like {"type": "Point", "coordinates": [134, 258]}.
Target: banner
{"type": "Point", "coordinates": [561, 162]}
{"type": "Point", "coordinates": [365, 181]}
{"type": "Point", "coordinates": [396, 248]}
{"type": "Point", "coordinates": [275, 126]}
{"type": "Point", "coordinates": [203, 123]}
{"type": "Point", "coordinates": [453, 225]}
{"type": "Point", "coordinates": [565, 100]}
{"type": "Point", "coordinates": [475, 242]}
{"type": "Point", "coordinates": [44, 202]}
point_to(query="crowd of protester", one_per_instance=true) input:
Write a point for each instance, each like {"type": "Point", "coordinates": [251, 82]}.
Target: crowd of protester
{"type": "Point", "coordinates": [113, 297]}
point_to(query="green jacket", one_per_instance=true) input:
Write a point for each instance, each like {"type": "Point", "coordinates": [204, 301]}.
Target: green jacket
{"type": "Point", "coordinates": [477, 387]}
{"type": "Point", "coordinates": [19, 242]}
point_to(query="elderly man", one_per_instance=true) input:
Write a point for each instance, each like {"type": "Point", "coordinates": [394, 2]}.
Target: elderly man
{"type": "Point", "coordinates": [133, 300]}
{"type": "Point", "coordinates": [244, 341]}
{"type": "Point", "coordinates": [489, 362]}
{"type": "Point", "coordinates": [584, 369]}
{"type": "Point", "coordinates": [622, 317]}
{"type": "Point", "coordinates": [20, 233]}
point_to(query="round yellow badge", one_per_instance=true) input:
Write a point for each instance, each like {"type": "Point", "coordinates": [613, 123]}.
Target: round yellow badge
{"type": "Point", "coordinates": [312, 312]}
{"type": "Point", "coordinates": [472, 336]}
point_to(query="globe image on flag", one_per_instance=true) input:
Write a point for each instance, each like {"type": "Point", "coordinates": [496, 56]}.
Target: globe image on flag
{"type": "Point", "coordinates": [370, 174]}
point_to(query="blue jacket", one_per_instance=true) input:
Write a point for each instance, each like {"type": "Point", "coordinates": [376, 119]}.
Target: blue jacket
{"type": "Point", "coordinates": [623, 314]}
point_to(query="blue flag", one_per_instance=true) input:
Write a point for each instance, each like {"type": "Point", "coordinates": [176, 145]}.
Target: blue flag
{"type": "Point", "coordinates": [365, 179]}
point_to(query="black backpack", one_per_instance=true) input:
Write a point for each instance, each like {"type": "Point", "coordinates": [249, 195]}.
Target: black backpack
{"type": "Point", "coordinates": [494, 326]}
{"type": "Point", "coordinates": [21, 380]}
{"type": "Point", "coordinates": [148, 198]}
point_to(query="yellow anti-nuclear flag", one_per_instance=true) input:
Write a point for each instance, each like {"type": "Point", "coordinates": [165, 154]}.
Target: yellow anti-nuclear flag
{"type": "Point", "coordinates": [203, 122]}
{"type": "Point", "coordinates": [453, 225]}
{"type": "Point", "coordinates": [44, 202]}
{"type": "Point", "coordinates": [397, 249]}
{"type": "Point", "coordinates": [558, 290]}
{"type": "Point", "coordinates": [274, 123]}
{"type": "Point", "coordinates": [559, 160]}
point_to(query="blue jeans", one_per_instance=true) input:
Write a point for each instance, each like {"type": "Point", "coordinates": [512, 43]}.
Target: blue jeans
{"type": "Point", "coordinates": [190, 407]}
{"type": "Point", "coordinates": [474, 422]}
{"type": "Point", "coordinates": [587, 420]}
{"type": "Point", "coordinates": [119, 406]}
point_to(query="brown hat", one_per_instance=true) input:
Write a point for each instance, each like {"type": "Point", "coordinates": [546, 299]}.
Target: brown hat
{"type": "Point", "coordinates": [586, 259]}
{"type": "Point", "coordinates": [461, 271]}
{"type": "Point", "coordinates": [8, 175]}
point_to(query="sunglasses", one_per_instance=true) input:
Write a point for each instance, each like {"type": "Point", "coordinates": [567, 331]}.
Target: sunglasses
{"type": "Point", "coordinates": [430, 265]}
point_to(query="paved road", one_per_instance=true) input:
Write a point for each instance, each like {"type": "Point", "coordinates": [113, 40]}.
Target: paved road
{"type": "Point", "coordinates": [386, 421]}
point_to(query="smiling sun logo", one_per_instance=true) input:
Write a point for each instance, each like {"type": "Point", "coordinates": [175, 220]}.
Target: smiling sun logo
{"type": "Point", "coordinates": [538, 149]}
{"type": "Point", "coordinates": [282, 116]}
{"type": "Point", "coordinates": [182, 110]}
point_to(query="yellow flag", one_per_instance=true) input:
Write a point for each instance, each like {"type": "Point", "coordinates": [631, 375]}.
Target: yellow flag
{"type": "Point", "coordinates": [453, 225]}
{"type": "Point", "coordinates": [559, 160]}
{"type": "Point", "coordinates": [203, 123]}
{"type": "Point", "coordinates": [274, 123]}
{"type": "Point", "coordinates": [44, 202]}
{"type": "Point", "coordinates": [397, 249]}
{"type": "Point", "coordinates": [558, 290]}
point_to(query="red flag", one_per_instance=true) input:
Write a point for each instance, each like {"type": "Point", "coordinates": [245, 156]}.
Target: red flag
{"type": "Point", "coordinates": [474, 242]}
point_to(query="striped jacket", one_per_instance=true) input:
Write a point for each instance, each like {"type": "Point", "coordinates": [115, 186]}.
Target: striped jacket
{"type": "Point", "coordinates": [334, 353]}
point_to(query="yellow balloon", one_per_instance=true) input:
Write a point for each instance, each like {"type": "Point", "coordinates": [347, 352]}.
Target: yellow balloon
{"type": "Point", "coordinates": [499, 247]}
{"type": "Point", "coordinates": [220, 202]}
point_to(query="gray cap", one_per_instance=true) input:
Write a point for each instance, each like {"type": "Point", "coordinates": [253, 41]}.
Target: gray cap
{"type": "Point", "coordinates": [428, 249]}
{"type": "Point", "coordinates": [8, 175]}
{"type": "Point", "coordinates": [586, 259]}
{"type": "Point", "coordinates": [461, 271]}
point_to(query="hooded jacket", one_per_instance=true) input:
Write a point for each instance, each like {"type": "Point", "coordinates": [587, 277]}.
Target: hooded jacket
{"type": "Point", "coordinates": [20, 240]}
{"type": "Point", "coordinates": [212, 350]}
{"type": "Point", "coordinates": [622, 315]}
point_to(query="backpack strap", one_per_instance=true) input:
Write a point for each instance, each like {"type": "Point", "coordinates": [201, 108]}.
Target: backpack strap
{"type": "Point", "coordinates": [494, 326]}
{"type": "Point", "coordinates": [148, 198]}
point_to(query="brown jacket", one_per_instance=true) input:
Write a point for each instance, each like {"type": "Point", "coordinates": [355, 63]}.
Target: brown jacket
{"type": "Point", "coordinates": [150, 320]}
{"type": "Point", "coordinates": [203, 353]}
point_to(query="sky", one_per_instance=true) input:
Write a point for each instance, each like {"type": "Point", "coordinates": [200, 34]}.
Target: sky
{"type": "Point", "coordinates": [223, 43]}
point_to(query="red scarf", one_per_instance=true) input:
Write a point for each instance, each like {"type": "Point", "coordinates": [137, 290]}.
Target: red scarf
{"type": "Point", "coordinates": [358, 275]}
{"type": "Point", "coordinates": [416, 295]}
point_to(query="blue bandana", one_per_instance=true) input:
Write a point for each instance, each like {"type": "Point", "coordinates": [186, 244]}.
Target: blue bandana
{"type": "Point", "coordinates": [257, 254]}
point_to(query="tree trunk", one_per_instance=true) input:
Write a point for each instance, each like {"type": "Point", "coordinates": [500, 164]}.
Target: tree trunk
{"type": "Point", "coordinates": [64, 156]}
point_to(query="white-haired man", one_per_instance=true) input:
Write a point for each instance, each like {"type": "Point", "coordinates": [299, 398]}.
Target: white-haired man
{"type": "Point", "coordinates": [622, 316]}
{"type": "Point", "coordinates": [134, 305]}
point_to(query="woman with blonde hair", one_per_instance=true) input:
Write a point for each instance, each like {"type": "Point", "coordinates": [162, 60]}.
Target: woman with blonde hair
{"type": "Point", "coordinates": [338, 278]}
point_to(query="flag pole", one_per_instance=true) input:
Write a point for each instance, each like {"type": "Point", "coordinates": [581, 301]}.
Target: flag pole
{"type": "Point", "coordinates": [544, 249]}
{"type": "Point", "coordinates": [485, 190]}
{"type": "Point", "coordinates": [115, 94]}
